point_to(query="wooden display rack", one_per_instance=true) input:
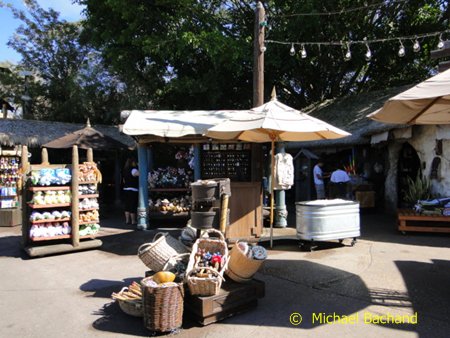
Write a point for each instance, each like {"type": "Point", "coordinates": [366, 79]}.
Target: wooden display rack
{"type": "Point", "coordinates": [30, 246]}
{"type": "Point", "coordinates": [408, 220]}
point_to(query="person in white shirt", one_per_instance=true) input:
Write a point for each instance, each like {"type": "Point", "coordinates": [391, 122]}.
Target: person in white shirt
{"type": "Point", "coordinates": [339, 183]}
{"type": "Point", "coordinates": [318, 180]}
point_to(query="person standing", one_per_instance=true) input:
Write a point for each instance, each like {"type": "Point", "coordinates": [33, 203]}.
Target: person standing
{"type": "Point", "coordinates": [318, 179]}
{"type": "Point", "coordinates": [130, 177]}
{"type": "Point", "coordinates": [340, 180]}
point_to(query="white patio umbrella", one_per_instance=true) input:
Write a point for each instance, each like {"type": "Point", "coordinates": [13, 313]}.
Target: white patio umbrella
{"type": "Point", "coordinates": [272, 122]}
{"type": "Point", "coordinates": [426, 103]}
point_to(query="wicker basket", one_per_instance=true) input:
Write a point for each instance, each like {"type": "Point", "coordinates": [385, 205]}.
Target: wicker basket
{"type": "Point", "coordinates": [155, 255]}
{"type": "Point", "coordinates": [131, 307]}
{"type": "Point", "coordinates": [207, 286]}
{"type": "Point", "coordinates": [163, 306]}
{"type": "Point", "coordinates": [241, 268]}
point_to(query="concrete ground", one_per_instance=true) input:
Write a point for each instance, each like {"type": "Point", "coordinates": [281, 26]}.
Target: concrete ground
{"type": "Point", "coordinates": [385, 273]}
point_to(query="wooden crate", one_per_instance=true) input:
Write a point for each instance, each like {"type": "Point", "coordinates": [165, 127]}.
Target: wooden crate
{"type": "Point", "coordinates": [10, 217]}
{"type": "Point", "coordinates": [366, 199]}
{"type": "Point", "coordinates": [232, 299]}
{"type": "Point", "coordinates": [408, 220]}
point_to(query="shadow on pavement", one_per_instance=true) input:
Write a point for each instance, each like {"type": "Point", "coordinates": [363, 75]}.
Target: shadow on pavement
{"type": "Point", "coordinates": [380, 227]}
{"type": "Point", "coordinates": [11, 246]}
{"type": "Point", "coordinates": [428, 287]}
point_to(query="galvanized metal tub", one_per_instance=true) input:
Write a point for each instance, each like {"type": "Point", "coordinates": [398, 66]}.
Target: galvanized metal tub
{"type": "Point", "coordinates": [323, 220]}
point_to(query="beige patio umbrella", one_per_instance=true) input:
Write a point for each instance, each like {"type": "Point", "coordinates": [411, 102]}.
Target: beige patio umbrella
{"type": "Point", "coordinates": [426, 103]}
{"type": "Point", "coordinates": [273, 122]}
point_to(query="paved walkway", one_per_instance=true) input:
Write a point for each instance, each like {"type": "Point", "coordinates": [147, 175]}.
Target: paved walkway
{"type": "Point", "coordinates": [385, 273]}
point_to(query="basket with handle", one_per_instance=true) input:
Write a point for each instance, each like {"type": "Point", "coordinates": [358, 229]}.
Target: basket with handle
{"type": "Point", "coordinates": [210, 281]}
{"type": "Point", "coordinates": [156, 254]}
{"type": "Point", "coordinates": [162, 306]}
{"type": "Point", "coordinates": [240, 267]}
{"type": "Point", "coordinates": [132, 307]}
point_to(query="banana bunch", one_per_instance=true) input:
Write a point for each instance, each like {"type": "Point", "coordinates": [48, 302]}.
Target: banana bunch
{"type": "Point", "coordinates": [131, 293]}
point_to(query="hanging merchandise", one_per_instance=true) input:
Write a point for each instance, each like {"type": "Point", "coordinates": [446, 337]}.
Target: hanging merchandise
{"type": "Point", "coordinates": [284, 171]}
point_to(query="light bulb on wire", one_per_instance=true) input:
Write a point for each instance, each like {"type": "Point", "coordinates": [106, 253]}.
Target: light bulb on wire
{"type": "Point", "coordinates": [401, 50]}
{"type": "Point", "coordinates": [292, 50]}
{"type": "Point", "coordinates": [263, 49]}
{"type": "Point", "coordinates": [416, 46]}
{"type": "Point", "coordinates": [348, 54]}
{"type": "Point", "coordinates": [368, 55]}
{"type": "Point", "coordinates": [441, 43]}
{"type": "Point", "coordinates": [303, 52]}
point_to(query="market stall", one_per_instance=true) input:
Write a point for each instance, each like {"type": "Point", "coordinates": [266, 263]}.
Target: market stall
{"type": "Point", "coordinates": [173, 153]}
{"type": "Point", "coordinates": [10, 186]}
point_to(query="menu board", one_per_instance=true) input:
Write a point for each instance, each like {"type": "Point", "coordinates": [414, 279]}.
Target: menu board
{"type": "Point", "coordinates": [231, 161]}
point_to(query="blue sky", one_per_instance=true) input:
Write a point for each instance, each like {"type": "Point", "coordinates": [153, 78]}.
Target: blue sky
{"type": "Point", "coordinates": [68, 11]}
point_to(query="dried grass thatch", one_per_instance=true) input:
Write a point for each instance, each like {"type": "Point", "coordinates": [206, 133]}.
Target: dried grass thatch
{"type": "Point", "coordinates": [350, 113]}
{"type": "Point", "coordinates": [36, 133]}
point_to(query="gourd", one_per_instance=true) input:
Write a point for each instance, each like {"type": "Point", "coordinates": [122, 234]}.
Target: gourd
{"type": "Point", "coordinates": [164, 277]}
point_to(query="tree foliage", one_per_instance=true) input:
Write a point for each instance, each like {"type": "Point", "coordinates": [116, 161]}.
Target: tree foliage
{"type": "Point", "coordinates": [69, 82]}
{"type": "Point", "coordinates": [199, 54]}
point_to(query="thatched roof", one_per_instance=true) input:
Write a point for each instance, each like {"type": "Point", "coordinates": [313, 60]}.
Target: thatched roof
{"type": "Point", "coordinates": [349, 114]}
{"type": "Point", "coordinates": [36, 133]}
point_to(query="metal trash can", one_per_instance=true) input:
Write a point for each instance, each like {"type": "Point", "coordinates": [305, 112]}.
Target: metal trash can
{"type": "Point", "coordinates": [323, 220]}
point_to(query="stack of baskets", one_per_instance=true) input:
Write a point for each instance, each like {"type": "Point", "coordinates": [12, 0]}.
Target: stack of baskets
{"type": "Point", "coordinates": [206, 281]}
{"type": "Point", "coordinates": [206, 197]}
{"type": "Point", "coordinates": [162, 252]}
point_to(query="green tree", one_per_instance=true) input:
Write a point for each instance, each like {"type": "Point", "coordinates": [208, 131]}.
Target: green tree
{"type": "Point", "coordinates": [69, 82]}
{"type": "Point", "coordinates": [190, 54]}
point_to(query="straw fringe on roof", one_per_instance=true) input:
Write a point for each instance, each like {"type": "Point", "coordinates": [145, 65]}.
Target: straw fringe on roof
{"type": "Point", "coordinates": [350, 113]}
{"type": "Point", "coordinates": [35, 133]}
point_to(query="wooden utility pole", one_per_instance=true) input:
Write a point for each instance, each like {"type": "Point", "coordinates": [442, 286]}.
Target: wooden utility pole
{"type": "Point", "coordinates": [258, 55]}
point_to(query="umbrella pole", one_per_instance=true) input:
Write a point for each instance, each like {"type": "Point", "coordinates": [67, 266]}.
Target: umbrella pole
{"type": "Point", "coordinates": [272, 184]}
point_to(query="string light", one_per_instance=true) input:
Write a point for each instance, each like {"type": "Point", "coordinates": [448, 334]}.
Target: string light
{"type": "Point", "coordinates": [401, 50]}
{"type": "Point", "coordinates": [263, 49]}
{"type": "Point", "coordinates": [441, 43]}
{"type": "Point", "coordinates": [292, 50]}
{"type": "Point", "coordinates": [303, 52]}
{"type": "Point", "coordinates": [416, 46]}
{"type": "Point", "coordinates": [348, 54]}
{"type": "Point", "coordinates": [368, 55]}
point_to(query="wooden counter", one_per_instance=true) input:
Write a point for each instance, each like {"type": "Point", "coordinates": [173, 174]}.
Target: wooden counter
{"type": "Point", "coordinates": [245, 211]}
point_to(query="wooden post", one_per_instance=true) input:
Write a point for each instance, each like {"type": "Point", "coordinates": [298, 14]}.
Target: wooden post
{"type": "Point", "coordinates": [90, 155]}
{"type": "Point", "coordinates": [75, 199]}
{"type": "Point", "coordinates": [224, 213]}
{"type": "Point", "coordinates": [25, 170]}
{"type": "Point", "coordinates": [44, 156]}
{"type": "Point", "coordinates": [4, 111]}
{"type": "Point", "coordinates": [258, 55]}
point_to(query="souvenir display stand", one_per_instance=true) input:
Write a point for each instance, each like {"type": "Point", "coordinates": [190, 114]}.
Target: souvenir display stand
{"type": "Point", "coordinates": [54, 219]}
{"type": "Point", "coordinates": [10, 187]}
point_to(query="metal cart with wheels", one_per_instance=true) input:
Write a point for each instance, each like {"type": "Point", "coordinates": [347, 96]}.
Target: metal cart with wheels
{"type": "Point", "coordinates": [324, 220]}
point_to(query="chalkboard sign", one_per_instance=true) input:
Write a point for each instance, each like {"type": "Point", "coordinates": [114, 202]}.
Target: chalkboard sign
{"type": "Point", "coordinates": [221, 161]}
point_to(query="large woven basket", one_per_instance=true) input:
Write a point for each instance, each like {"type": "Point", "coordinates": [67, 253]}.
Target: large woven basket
{"type": "Point", "coordinates": [240, 267]}
{"type": "Point", "coordinates": [156, 254]}
{"type": "Point", "coordinates": [207, 286]}
{"type": "Point", "coordinates": [163, 306]}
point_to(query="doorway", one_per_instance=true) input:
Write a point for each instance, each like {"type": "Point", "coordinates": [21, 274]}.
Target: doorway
{"type": "Point", "coordinates": [408, 166]}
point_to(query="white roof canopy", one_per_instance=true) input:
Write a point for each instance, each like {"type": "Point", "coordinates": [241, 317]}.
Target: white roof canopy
{"type": "Point", "coordinates": [174, 123]}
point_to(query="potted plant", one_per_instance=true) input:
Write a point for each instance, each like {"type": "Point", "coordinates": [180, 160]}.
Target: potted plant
{"type": "Point", "coordinates": [416, 189]}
